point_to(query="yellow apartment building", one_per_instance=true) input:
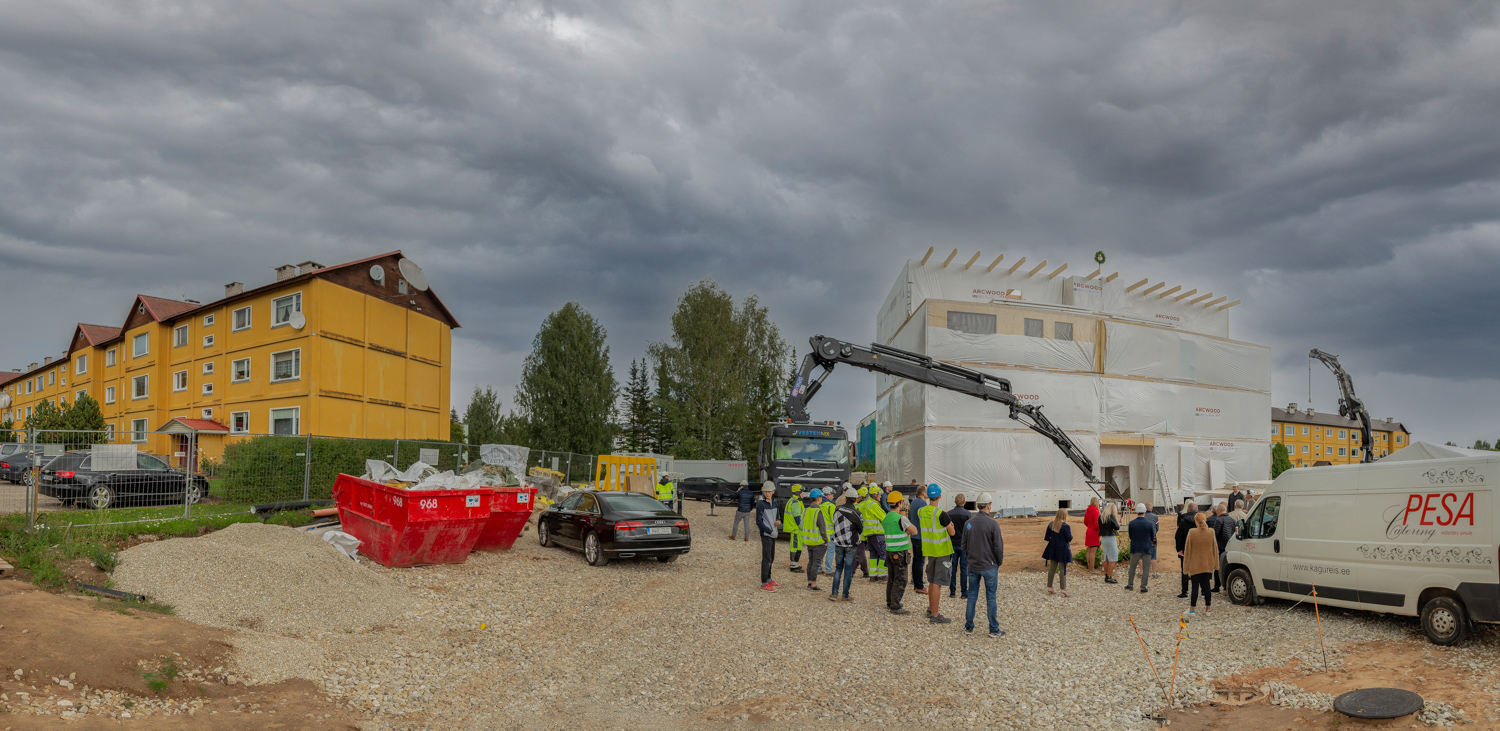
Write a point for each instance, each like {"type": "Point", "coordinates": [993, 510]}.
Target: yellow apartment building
{"type": "Point", "coordinates": [1314, 438]}
{"type": "Point", "coordinates": [362, 349]}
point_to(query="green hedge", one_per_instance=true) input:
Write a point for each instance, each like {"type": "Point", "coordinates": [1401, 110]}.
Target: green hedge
{"type": "Point", "coordinates": [1082, 555]}
{"type": "Point", "coordinates": [272, 469]}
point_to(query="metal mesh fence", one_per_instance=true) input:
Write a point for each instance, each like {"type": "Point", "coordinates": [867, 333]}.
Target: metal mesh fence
{"type": "Point", "coordinates": [571, 468]}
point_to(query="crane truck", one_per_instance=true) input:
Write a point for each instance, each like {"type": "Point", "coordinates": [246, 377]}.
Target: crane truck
{"type": "Point", "coordinates": [1350, 407]}
{"type": "Point", "coordinates": [813, 454]}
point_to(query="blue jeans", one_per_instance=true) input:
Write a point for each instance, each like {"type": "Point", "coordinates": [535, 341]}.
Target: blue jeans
{"type": "Point", "coordinates": [843, 569]}
{"type": "Point", "coordinates": [828, 563]}
{"type": "Point", "coordinates": [991, 579]}
{"type": "Point", "coordinates": [960, 569]}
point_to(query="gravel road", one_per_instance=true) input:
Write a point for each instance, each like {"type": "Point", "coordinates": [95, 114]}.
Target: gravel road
{"type": "Point", "coordinates": [534, 637]}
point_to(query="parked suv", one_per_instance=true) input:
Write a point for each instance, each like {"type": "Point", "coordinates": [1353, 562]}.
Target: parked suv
{"type": "Point", "coordinates": [72, 479]}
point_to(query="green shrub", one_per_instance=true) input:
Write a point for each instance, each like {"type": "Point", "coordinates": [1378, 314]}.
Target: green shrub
{"type": "Point", "coordinates": [1081, 556]}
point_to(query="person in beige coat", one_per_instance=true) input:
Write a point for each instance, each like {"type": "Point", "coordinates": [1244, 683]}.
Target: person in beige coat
{"type": "Point", "coordinates": [1200, 559]}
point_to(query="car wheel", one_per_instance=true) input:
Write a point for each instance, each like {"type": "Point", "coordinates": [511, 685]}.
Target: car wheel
{"type": "Point", "coordinates": [543, 533]}
{"type": "Point", "coordinates": [667, 559]}
{"type": "Point", "coordinates": [194, 493]}
{"type": "Point", "coordinates": [1444, 621]}
{"type": "Point", "coordinates": [28, 478]}
{"type": "Point", "coordinates": [101, 497]}
{"type": "Point", "coordinates": [593, 552]}
{"type": "Point", "coordinates": [1241, 588]}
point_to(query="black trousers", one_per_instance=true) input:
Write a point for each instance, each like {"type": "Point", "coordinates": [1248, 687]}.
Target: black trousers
{"type": "Point", "coordinates": [1183, 561]}
{"type": "Point", "coordinates": [895, 583]}
{"type": "Point", "coordinates": [767, 555]}
{"type": "Point", "coordinates": [1200, 582]}
{"type": "Point", "coordinates": [917, 564]}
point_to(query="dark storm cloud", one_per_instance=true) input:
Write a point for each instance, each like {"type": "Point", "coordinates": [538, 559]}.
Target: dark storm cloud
{"type": "Point", "coordinates": [1336, 159]}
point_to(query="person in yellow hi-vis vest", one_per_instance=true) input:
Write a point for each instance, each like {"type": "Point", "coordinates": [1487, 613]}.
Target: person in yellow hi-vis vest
{"type": "Point", "coordinates": [816, 530]}
{"type": "Point", "coordinates": [874, 533]}
{"type": "Point", "coordinates": [936, 532]}
{"type": "Point", "coordinates": [828, 508]}
{"type": "Point", "coordinates": [791, 522]}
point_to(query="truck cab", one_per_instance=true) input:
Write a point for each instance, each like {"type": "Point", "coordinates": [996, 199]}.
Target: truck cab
{"type": "Point", "coordinates": [1408, 537]}
{"type": "Point", "coordinates": [813, 454]}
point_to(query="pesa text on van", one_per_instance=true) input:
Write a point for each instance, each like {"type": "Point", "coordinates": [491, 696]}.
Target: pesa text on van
{"type": "Point", "coordinates": [1411, 537]}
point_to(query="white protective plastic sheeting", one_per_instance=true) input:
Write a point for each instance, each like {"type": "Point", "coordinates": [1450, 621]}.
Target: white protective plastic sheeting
{"type": "Point", "coordinates": [912, 338]}
{"type": "Point", "coordinates": [1139, 460]}
{"type": "Point", "coordinates": [1240, 460]}
{"type": "Point", "coordinates": [1165, 312]}
{"type": "Point", "coordinates": [1146, 407]}
{"type": "Point", "coordinates": [1020, 350]}
{"type": "Point", "coordinates": [1137, 350]}
{"type": "Point", "coordinates": [1070, 401]}
{"type": "Point", "coordinates": [971, 462]}
{"type": "Point", "coordinates": [902, 459]}
{"type": "Point", "coordinates": [1187, 467]}
{"type": "Point", "coordinates": [505, 455]}
{"type": "Point", "coordinates": [896, 307]}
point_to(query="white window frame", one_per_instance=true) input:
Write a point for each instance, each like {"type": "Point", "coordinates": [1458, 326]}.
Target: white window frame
{"type": "Point", "coordinates": [208, 320]}
{"type": "Point", "coordinates": [296, 420]}
{"type": "Point", "coordinates": [1343, 452]}
{"type": "Point", "coordinates": [138, 435]}
{"type": "Point", "coordinates": [208, 412]}
{"type": "Point", "coordinates": [81, 364]}
{"type": "Point", "coordinates": [297, 363]}
{"type": "Point", "coordinates": [208, 388]}
{"type": "Point", "coordinates": [208, 368]}
{"type": "Point", "coordinates": [179, 381]}
{"type": "Point", "coordinates": [1343, 434]}
{"type": "Point", "coordinates": [296, 298]}
{"type": "Point", "coordinates": [78, 394]}
{"type": "Point", "coordinates": [137, 341]}
{"type": "Point", "coordinates": [109, 358]}
{"type": "Point", "coordinates": [208, 341]}
{"type": "Point", "coordinates": [1304, 449]}
{"type": "Point", "coordinates": [180, 336]}
{"type": "Point", "coordinates": [234, 319]}
{"type": "Point", "coordinates": [1291, 431]}
{"type": "Point", "coordinates": [28, 413]}
{"type": "Point", "coordinates": [30, 386]}
{"type": "Point", "coordinates": [109, 433]}
{"type": "Point", "coordinates": [234, 376]}
{"type": "Point", "coordinates": [51, 378]}
{"type": "Point", "coordinates": [145, 379]}
{"type": "Point", "coordinates": [234, 426]}
{"type": "Point", "coordinates": [109, 394]}
{"type": "Point", "coordinates": [1304, 431]}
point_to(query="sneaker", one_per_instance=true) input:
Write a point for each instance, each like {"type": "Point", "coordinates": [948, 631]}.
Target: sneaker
{"type": "Point", "coordinates": [964, 595]}
{"type": "Point", "coordinates": [847, 599]}
{"type": "Point", "coordinates": [1128, 587]}
{"type": "Point", "coordinates": [1192, 613]}
{"type": "Point", "coordinates": [731, 536]}
{"type": "Point", "coordinates": [833, 597]}
{"type": "Point", "coordinates": [1111, 581]}
{"type": "Point", "coordinates": [969, 630]}
{"type": "Point", "coordinates": [940, 619]}
{"type": "Point", "coordinates": [775, 583]}
{"type": "Point", "coordinates": [900, 611]}
{"type": "Point", "coordinates": [810, 587]}
{"type": "Point", "coordinates": [1143, 590]}
{"type": "Point", "coordinates": [997, 634]}
{"type": "Point", "coordinates": [796, 569]}
{"type": "Point", "coordinates": [1182, 596]}
{"type": "Point", "coordinates": [767, 587]}
{"type": "Point", "coordinates": [874, 579]}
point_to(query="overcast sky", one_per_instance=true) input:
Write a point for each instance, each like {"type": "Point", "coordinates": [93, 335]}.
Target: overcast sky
{"type": "Point", "coordinates": [1336, 165]}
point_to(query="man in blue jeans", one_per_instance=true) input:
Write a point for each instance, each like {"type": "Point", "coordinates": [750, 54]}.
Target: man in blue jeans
{"type": "Point", "coordinates": [959, 516]}
{"type": "Point", "coordinates": [985, 548]}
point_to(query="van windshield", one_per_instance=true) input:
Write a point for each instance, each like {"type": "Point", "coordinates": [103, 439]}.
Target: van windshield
{"type": "Point", "coordinates": [1263, 520]}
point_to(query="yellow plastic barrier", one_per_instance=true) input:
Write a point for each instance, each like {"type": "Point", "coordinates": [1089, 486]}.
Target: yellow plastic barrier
{"type": "Point", "coordinates": [613, 470]}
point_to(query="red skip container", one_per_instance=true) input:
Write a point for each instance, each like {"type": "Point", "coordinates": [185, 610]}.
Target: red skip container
{"type": "Point", "coordinates": [411, 527]}
{"type": "Point", "coordinates": [509, 512]}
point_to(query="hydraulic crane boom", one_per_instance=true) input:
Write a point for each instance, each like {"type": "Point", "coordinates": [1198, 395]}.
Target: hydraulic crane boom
{"type": "Point", "coordinates": [827, 352]}
{"type": "Point", "coordinates": [1350, 407]}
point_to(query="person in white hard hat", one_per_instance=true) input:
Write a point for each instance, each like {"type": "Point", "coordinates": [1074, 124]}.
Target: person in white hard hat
{"type": "Point", "coordinates": [985, 547]}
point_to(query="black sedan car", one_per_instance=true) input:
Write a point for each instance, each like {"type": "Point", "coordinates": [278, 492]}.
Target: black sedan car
{"type": "Point", "coordinates": [610, 525]}
{"type": "Point", "coordinates": [72, 479]}
{"type": "Point", "coordinates": [717, 489]}
{"type": "Point", "coordinates": [16, 467]}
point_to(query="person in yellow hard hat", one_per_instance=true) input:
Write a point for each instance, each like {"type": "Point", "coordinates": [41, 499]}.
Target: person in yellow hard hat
{"type": "Point", "coordinates": [898, 532]}
{"type": "Point", "coordinates": [861, 496]}
{"type": "Point", "coordinates": [792, 524]}
{"type": "Point", "coordinates": [874, 533]}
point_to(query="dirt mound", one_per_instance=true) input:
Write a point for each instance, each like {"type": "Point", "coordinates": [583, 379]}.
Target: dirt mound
{"type": "Point", "coordinates": [262, 577]}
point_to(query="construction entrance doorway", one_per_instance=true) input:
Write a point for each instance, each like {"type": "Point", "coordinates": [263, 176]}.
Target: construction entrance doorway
{"type": "Point", "coordinates": [1127, 469]}
{"type": "Point", "coordinates": [1119, 482]}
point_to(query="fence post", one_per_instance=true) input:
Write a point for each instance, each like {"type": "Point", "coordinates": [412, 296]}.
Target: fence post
{"type": "Point", "coordinates": [307, 468]}
{"type": "Point", "coordinates": [31, 508]}
{"type": "Point", "coordinates": [568, 478]}
{"type": "Point", "coordinates": [188, 452]}
{"type": "Point", "coordinates": [396, 455]}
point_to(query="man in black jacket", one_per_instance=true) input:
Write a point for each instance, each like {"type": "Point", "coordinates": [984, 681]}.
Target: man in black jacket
{"type": "Point", "coordinates": [1186, 521]}
{"type": "Point", "coordinates": [985, 547]}
{"type": "Point", "coordinates": [1224, 527]}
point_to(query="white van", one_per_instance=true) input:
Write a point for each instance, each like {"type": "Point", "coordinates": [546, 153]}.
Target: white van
{"type": "Point", "coordinates": [1404, 537]}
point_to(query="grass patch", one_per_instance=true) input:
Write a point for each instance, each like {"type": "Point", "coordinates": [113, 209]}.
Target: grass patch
{"type": "Point", "coordinates": [162, 679]}
{"type": "Point", "coordinates": [155, 607]}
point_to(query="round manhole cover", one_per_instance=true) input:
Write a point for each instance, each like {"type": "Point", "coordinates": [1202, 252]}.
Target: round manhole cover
{"type": "Point", "coordinates": [1378, 703]}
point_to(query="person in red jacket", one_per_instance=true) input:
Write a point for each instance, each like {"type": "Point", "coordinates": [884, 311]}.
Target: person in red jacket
{"type": "Point", "coordinates": [1091, 533]}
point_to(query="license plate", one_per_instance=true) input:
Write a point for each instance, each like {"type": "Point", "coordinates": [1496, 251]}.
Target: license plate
{"type": "Point", "coordinates": [657, 531]}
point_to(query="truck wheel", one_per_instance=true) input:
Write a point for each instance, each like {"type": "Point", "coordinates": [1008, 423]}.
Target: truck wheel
{"type": "Point", "coordinates": [1242, 588]}
{"type": "Point", "coordinates": [1444, 621]}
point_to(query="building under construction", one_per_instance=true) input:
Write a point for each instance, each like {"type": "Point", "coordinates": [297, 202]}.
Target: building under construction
{"type": "Point", "coordinates": [1141, 374]}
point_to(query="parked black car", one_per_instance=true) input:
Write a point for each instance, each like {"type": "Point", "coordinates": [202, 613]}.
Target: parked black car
{"type": "Point", "coordinates": [16, 467]}
{"type": "Point", "coordinates": [72, 479]}
{"type": "Point", "coordinates": [717, 489]}
{"type": "Point", "coordinates": [610, 525]}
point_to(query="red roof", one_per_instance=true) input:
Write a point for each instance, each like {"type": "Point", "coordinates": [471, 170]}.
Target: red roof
{"type": "Point", "coordinates": [7, 377]}
{"type": "Point", "coordinates": [97, 334]}
{"type": "Point", "coordinates": [165, 309]}
{"type": "Point", "coordinates": [196, 424]}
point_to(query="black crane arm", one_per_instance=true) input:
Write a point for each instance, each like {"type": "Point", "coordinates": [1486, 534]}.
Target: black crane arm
{"type": "Point", "coordinates": [827, 352]}
{"type": "Point", "coordinates": [1350, 407]}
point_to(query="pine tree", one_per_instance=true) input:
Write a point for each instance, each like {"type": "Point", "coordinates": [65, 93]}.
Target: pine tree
{"type": "Point", "coordinates": [568, 390]}
{"type": "Point", "coordinates": [661, 439]}
{"type": "Point", "coordinates": [482, 419]}
{"type": "Point", "coordinates": [638, 409]}
{"type": "Point", "coordinates": [455, 427]}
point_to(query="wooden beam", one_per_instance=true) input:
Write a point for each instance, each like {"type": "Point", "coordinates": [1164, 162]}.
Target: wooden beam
{"type": "Point", "coordinates": [1056, 272]}
{"type": "Point", "coordinates": [1132, 287]}
{"type": "Point", "coordinates": [1231, 304]}
{"type": "Point", "coordinates": [950, 258]}
{"type": "Point", "coordinates": [925, 256]}
{"type": "Point", "coordinates": [1200, 299]}
{"type": "Point", "coordinates": [1096, 273]}
{"type": "Point", "coordinates": [972, 259]}
{"type": "Point", "coordinates": [1169, 292]}
{"type": "Point", "coordinates": [1036, 269]}
{"type": "Point", "coordinates": [995, 262]}
{"type": "Point", "coordinates": [1185, 295]}
{"type": "Point", "coordinates": [1112, 277]}
{"type": "Point", "coordinates": [1214, 302]}
{"type": "Point", "coordinates": [1152, 288]}
{"type": "Point", "coordinates": [1017, 265]}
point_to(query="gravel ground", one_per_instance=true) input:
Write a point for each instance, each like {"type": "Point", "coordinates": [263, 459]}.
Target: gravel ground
{"type": "Point", "coordinates": [262, 577]}
{"type": "Point", "coordinates": [534, 637]}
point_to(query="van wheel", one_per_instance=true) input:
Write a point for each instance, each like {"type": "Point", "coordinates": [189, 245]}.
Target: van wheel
{"type": "Point", "coordinates": [1242, 588]}
{"type": "Point", "coordinates": [1444, 621]}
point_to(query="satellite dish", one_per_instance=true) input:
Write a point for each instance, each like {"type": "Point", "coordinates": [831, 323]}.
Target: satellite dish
{"type": "Point", "coordinates": [4, 400]}
{"type": "Point", "coordinates": [297, 321]}
{"type": "Point", "coordinates": [413, 274]}
{"type": "Point", "coordinates": [377, 273]}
